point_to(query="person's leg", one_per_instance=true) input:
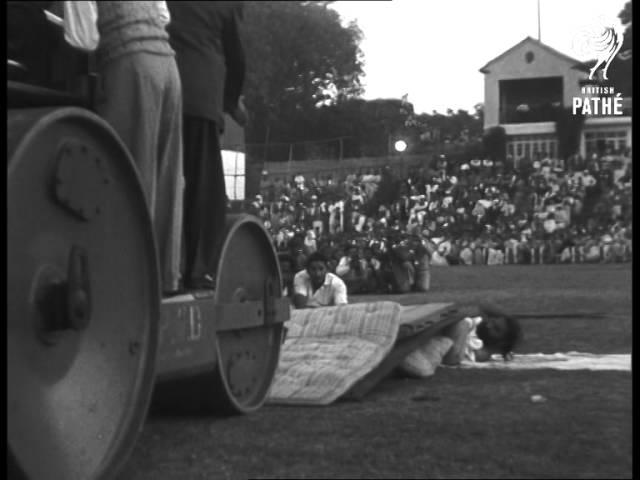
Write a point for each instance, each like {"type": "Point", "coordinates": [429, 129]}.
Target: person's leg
{"type": "Point", "coordinates": [132, 87]}
{"type": "Point", "coordinates": [170, 180]}
{"type": "Point", "coordinates": [204, 200]}
{"type": "Point", "coordinates": [458, 333]}
{"type": "Point", "coordinates": [216, 218]}
{"type": "Point", "coordinates": [124, 104]}
{"type": "Point", "coordinates": [192, 139]}
{"type": "Point", "coordinates": [402, 277]}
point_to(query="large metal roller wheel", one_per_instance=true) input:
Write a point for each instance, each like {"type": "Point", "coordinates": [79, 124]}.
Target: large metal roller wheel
{"type": "Point", "coordinates": [248, 357]}
{"type": "Point", "coordinates": [83, 297]}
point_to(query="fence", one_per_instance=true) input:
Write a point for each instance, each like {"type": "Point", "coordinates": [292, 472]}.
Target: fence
{"type": "Point", "coordinates": [399, 164]}
{"type": "Point", "coordinates": [337, 165]}
{"type": "Point", "coordinates": [278, 152]}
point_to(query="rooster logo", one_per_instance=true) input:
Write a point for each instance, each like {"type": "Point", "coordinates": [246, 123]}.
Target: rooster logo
{"type": "Point", "coordinates": [600, 42]}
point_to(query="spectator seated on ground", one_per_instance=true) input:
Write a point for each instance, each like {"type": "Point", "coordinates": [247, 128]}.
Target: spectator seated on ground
{"type": "Point", "coordinates": [478, 254]}
{"type": "Point", "coordinates": [439, 256]}
{"type": "Point", "coordinates": [607, 248]}
{"type": "Point", "coordinates": [310, 244]}
{"type": "Point", "coordinates": [316, 287]}
{"type": "Point", "coordinates": [530, 206]}
{"type": "Point", "coordinates": [592, 251]}
{"type": "Point", "coordinates": [373, 272]}
{"type": "Point", "coordinates": [453, 256]}
{"type": "Point", "coordinates": [466, 254]}
{"type": "Point", "coordinates": [422, 260]}
{"type": "Point", "coordinates": [402, 269]}
{"type": "Point", "coordinates": [495, 256]}
{"type": "Point", "coordinates": [352, 270]}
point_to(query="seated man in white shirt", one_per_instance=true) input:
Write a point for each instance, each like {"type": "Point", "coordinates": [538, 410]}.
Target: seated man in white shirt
{"type": "Point", "coordinates": [316, 287]}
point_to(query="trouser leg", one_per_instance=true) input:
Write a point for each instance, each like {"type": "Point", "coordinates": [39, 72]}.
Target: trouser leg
{"type": "Point", "coordinates": [205, 201]}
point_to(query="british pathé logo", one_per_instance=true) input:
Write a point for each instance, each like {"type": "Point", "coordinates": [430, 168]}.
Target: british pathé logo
{"type": "Point", "coordinates": [594, 103]}
{"type": "Point", "coordinates": [607, 47]}
{"type": "Point", "coordinates": [599, 41]}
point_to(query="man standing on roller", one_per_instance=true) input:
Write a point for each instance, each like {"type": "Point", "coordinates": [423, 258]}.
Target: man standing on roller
{"type": "Point", "coordinates": [211, 62]}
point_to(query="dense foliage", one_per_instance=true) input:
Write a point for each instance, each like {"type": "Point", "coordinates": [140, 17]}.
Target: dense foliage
{"type": "Point", "coordinates": [303, 91]}
{"type": "Point", "coordinates": [299, 56]}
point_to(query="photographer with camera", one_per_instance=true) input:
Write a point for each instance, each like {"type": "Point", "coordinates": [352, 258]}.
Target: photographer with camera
{"type": "Point", "coordinates": [352, 268]}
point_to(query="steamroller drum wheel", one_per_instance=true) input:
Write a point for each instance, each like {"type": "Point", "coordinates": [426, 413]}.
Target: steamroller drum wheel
{"type": "Point", "coordinates": [247, 357]}
{"type": "Point", "coordinates": [83, 297]}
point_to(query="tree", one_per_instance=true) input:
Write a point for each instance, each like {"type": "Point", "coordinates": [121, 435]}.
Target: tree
{"type": "Point", "coordinates": [369, 125]}
{"type": "Point", "coordinates": [625, 17]}
{"type": "Point", "coordinates": [479, 115]}
{"type": "Point", "coordinates": [457, 127]}
{"type": "Point", "coordinates": [299, 56]}
{"type": "Point", "coordinates": [495, 143]}
{"type": "Point", "coordinates": [621, 69]}
{"type": "Point", "coordinates": [568, 129]}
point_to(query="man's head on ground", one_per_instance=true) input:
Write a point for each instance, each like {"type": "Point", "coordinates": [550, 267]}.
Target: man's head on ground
{"type": "Point", "coordinates": [499, 334]}
{"type": "Point", "coordinates": [317, 269]}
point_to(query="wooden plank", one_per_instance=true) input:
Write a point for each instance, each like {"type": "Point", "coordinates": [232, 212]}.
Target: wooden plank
{"type": "Point", "coordinates": [415, 318]}
{"type": "Point", "coordinates": [412, 298]}
{"type": "Point", "coordinates": [449, 315]}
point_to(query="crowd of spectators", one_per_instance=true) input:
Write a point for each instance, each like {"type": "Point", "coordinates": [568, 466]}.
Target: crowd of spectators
{"type": "Point", "coordinates": [382, 232]}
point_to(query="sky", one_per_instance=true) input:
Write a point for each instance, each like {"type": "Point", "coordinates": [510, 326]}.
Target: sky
{"type": "Point", "coordinates": [433, 50]}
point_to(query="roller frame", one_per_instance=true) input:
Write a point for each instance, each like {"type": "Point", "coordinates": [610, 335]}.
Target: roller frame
{"type": "Point", "coordinates": [188, 325]}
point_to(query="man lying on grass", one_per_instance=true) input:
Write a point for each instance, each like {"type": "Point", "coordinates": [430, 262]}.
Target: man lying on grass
{"type": "Point", "coordinates": [476, 338]}
{"type": "Point", "coordinates": [316, 287]}
{"type": "Point", "coordinates": [482, 332]}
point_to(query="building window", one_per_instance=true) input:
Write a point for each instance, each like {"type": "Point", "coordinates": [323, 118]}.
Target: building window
{"type": "Point", "coordinates": [532, 146]}
{"type": "Point", "coordinates": [530, 99]}
{"type": "Point", "coordinates": [233, 165]}
{"type": "Point", "coordinates": [599, 142]}
{"type": "Point", "coordinates": [529, 57]}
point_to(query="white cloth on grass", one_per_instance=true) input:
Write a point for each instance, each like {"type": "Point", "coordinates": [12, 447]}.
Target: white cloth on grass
{"type": "Point", "coordinates": [557, 361]}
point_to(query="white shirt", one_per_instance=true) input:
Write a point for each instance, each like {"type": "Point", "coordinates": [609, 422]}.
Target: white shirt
{"type": "Point", "coordinates": [438, 260]}
{"type": "Point", "coordinates": [344, 266]}
{"type": "Point", "coordinates": [332, 292]}
{"type": "Point", "coordinates": [473, 342]}
{"type": "Point", "coordinates": [311, 244]}
{"type": "Point", "coordinates": [466, 256]}
{"type": "Point", "coordinates": [550, 225]}
{"type": "Point", "coordinates": [375, 264]}
{"type": "Point", "coordinates": [80, 22]}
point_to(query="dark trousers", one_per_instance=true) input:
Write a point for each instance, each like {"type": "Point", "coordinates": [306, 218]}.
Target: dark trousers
{"type": "Point", "coordinates": [205, 199]}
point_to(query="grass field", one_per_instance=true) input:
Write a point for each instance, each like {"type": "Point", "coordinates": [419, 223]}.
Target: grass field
{"type": "Point", "coordinates": [455, 424]}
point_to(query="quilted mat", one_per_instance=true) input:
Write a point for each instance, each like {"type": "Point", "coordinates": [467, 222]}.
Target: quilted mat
{"type": "Point", "coordinates": [327, 350]}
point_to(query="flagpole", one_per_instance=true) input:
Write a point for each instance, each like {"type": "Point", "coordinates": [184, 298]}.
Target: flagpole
{"type": "Point", "coordinates": [539, 36]}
